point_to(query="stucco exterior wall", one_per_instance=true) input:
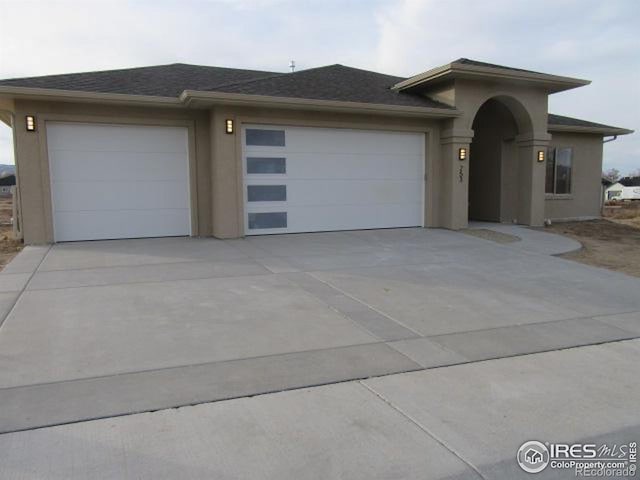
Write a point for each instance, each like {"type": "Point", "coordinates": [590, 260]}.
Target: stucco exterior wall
{"type": "Point", "coordinates": [215, 163]}
{"type": "Point", "coordinates": [216, 159]}
{"type": "Point", "coordinates": [584, 199]}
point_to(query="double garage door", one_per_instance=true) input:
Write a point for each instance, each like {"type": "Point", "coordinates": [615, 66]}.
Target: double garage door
{"type": "Point", "coordinates": [122, 181]}
{"type": "Point", "coordinates": [300, 179]}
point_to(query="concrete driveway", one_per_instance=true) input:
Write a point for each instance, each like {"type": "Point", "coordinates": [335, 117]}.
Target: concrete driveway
{"type": "Point", "coordinates": [98, 329]}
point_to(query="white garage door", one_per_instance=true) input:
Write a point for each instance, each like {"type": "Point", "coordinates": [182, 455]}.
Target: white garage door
{"type": "Point", "coordinates": [118, 181]}
{"type": "Point", "coordinates": [301, 179]}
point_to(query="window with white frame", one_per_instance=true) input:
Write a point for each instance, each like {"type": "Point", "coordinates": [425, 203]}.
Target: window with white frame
{"type": "Point", "coordinates": [559, 169]}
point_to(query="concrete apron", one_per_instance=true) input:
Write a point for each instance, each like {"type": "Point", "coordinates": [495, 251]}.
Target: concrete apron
{"type": "Point", "coordinates": [88, 331]}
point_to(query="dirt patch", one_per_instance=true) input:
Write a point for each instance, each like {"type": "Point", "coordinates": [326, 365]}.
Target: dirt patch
{"type": "Point", "coordinates": [608, 244]}
{"type": "Point", "coordinates": [492, 235]}
{"type": "Point", "coordinates": [9, 246]}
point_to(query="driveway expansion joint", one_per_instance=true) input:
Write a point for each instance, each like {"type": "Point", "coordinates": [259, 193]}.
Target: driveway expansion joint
{"type": "Point", "coordinates": [24, 288]}
{"type": "Point", "coordinates": [424, 429]}
{"type": "Point", "coordinates": [370, 307]}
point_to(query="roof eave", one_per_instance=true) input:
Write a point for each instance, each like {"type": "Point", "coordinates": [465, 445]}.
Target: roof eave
{"type": "Point", "coordinates": [29, 93]}
{"type": "Point", "coordinates": [553, 83]}
{"type": "Point", "coordinates": [199, 98]}
{"type": "Point", "coordinates": [195, 98]}
{"type": "Point", "coordinates": [585, 129]}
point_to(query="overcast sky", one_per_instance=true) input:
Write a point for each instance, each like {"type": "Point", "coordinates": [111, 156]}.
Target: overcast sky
{"type": "Point", "coordinates": [593, 39]}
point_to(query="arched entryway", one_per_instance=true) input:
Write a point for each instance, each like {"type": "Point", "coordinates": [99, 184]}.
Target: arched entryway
{"type": "Point", "coordinates": [493, 160]}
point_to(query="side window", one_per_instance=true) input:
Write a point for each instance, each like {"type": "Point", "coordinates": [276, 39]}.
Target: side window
{"type": "Point", "coordinates": [559, 170]}
{"type": "Point", "coordinates": [550, 177]}
{"type": "Point", "coordinates": [563, 170]}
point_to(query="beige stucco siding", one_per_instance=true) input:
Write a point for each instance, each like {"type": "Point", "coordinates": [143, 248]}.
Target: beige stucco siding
{"type": "Point", "coordinates": [216, 158]}
{"type": "Point", "coordinates": [215, 163]}
{"type": "Point", "coordinates": [584, 200]}
{"type": "Point", "coordinates": [33, 163]}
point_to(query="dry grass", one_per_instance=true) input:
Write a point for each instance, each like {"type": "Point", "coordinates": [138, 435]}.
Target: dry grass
{"type": "Point", "coordinates": [613, 242]}
{"type": "Point", "coordinates": [626, 213]}
{"type": "Point", "coordinates": [9, 246]}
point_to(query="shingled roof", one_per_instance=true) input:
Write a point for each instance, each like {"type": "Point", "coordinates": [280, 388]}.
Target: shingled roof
{"type": "Point", "coordinates": [574, 122]}
{"type": "Point", "coordinates": [476, 63]}
{"type": "Point", "coordinates": [333, 82]}
{"type": "Point", "coordinates": [160, 80]}
{"type": "Point", "coordinates": [630, 181]}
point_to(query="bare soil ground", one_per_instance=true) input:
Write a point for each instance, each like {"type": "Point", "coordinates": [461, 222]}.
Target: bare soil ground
{"type": "Point", "coordinates": [613, 242]}
{"type": "Point", "coordinates": [9, 246]}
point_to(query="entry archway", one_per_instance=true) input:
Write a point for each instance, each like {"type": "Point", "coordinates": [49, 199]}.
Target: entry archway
{"type": "Point", "coordinates": [493, 164]}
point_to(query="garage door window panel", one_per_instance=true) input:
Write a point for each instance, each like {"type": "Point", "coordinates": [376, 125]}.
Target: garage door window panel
{"type": "Point", "coordinates": [266, 165]}
{"type": "Point", "coordinates": [267, 220]}
{"type": "Point", "coordinates": [265, 138]}
{"type": "Point", "coordinates": [266, 193]}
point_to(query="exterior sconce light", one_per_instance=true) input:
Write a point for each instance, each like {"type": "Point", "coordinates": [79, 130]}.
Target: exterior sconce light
{"type": "Point", "coordinates": [228, 126]}
{"type": "Point", "coordinates": [462, 154]}
{"type": "Point", "coordinates": [541, 155]}
{"type": "Point", "coordinates": [30, 122]}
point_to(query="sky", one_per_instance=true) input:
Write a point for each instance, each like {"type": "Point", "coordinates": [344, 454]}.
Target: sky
{"type": "Point", "coordinates": [590, 39]}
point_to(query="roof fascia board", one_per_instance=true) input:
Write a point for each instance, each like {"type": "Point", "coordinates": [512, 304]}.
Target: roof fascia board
{"type": "Point", "coordinates": [454, 70]}
{"type": "Point", "coordinates": [432, 74]}
{"type": "Point", "coordinates": [81, 96]}
{"type": "Point", "coordinates": [190, 97]}
{"type": "Point", "coordinates": [582, 129]}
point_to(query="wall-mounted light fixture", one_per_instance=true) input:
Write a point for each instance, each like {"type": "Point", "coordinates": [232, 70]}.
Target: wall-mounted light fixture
{"type": "Point", "coordinates": [462, 154]}
{"type": "Point", "coordinates": [30, 122]}
{"type": "Point", "coordinates": [541, 155]}
{"type": "Point", "coordinates": [228, 126]}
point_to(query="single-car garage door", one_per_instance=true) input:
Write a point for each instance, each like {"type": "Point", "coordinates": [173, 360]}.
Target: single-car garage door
{"type": "Point", "coordinates": [118, 181]}
{"type": "Point", "coordinates": [301, 179]}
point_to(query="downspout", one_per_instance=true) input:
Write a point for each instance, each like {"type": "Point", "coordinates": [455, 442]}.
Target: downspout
{"type": "Point", "coordinates": [610, 139]}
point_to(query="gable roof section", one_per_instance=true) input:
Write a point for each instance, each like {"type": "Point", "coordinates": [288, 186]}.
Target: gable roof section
{"type": "Point", "coordinates": [558, 123]}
